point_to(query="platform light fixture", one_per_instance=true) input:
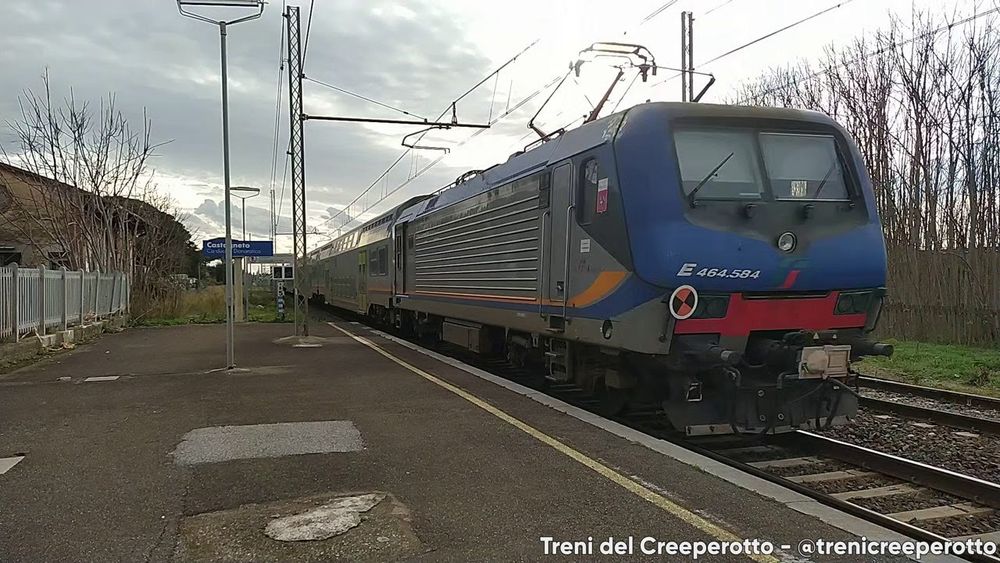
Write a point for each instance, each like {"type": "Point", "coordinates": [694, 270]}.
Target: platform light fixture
{"type": "Point", "coordinates": [183, 6]}
{"type": "Point", "coordinates": [238, 191]}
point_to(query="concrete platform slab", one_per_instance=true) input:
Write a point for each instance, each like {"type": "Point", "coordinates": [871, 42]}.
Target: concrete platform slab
{"type": "Point", "coordinates": [483, 472]}
{"type": "Point", "coordinates": [227, 443]}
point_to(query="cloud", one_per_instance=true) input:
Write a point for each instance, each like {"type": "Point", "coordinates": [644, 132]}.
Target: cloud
{"type": "Point", "coordinates": [416, 55]}
{"type": "Point", "coordinates": [150, 57]}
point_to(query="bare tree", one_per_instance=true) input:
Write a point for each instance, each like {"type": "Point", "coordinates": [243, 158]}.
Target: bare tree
{"type": "Point", "coordinates": [93, 195]}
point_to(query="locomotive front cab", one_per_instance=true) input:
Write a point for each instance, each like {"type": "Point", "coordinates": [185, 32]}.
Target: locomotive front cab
{"type": "Point", "coordinates": [768, 217]}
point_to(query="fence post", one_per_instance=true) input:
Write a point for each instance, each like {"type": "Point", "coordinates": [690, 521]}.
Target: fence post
{"type": "Point", "coordinates": [121, 293]}
{"type": "Point", "coordinates": [14, 302]}
{"type": "Point", "coordinates": [82, 306]}
{"type": "Point", "coordinates": [126, 295]}
{"type": "Point", "coordinates": [41, 300]}
{"type": "Point", "coordinates": [97, 294]}
{"type": "Point", "coordinates": [111, 302]}
{"type": "Point", "coordinates": [65, 303]}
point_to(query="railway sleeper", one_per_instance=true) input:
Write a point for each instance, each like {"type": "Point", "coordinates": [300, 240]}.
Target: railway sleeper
{"type": "Point", "coordinates": [947, 511]}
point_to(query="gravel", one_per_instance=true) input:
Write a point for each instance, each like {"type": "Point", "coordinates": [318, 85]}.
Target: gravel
{"type": "Point", "coordinates": [940, 446]}
{"type": "Point", "coordinates": [854, 484]}
{"type": "Point", "coordinates": [929, 403]}
{"type": "Point", "coordinates": [772, 452]}
{"type": "Point", "coordinates": [902, 503]}
{"type": "Point", "coordinates": [809, 469]}
{"type": "Point", "coordinates": [963, 525]}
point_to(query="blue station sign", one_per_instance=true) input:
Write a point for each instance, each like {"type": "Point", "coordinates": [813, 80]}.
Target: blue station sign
{"type": "Point", "coordinates": [216, 248]}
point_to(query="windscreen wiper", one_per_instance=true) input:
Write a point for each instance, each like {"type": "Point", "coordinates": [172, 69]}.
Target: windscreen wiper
{"type": "Point", "coordinates": [708, 177]}
{"type": "Point", "coordinates": [822, 184]}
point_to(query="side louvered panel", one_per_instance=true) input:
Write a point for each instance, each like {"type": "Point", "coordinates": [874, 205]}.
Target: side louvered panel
{"type": "Point", "coordinates": [486, 246]}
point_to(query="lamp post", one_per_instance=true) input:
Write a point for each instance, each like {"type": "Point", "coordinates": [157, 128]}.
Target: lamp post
{"type": "Point", "coordinates": [252, 192]}
{"type": "Point", "coordinates": [258, 5]}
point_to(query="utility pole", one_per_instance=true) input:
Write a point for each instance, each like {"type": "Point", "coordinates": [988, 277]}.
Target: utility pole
{"type": "Point", "coordinates": [690, 55]}
{"type": "Point", "coordinates": [297, 149]}
{"type": "Point", "coordinates": [274, 222]}
{"type": "Point", "coordinates": [684, 60]}
{"type": "Point", "coordinates": [687, 57]}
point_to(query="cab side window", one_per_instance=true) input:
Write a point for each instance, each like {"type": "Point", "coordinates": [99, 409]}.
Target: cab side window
{"type": "Point", "coordinates": [586, 201]}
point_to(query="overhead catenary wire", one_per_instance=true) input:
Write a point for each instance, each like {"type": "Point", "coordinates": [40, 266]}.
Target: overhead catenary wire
{"type": "Point", "coordinates": [625, 93]}
{"type": "Point", "coordinates": [724, 4]}
{"type": "Point", "coordinates": [284, 177]}
{"type": "Point", "coordinates": [434, 162]}
{"type": "Point", "coordinates": [759, 39]}
{"type": "Point", "coordinates": [508, 110]}
{"type": "Point", "coordinates": [658, 11]}
{"type": "Point", "coordinates": [309, 23]}
{"type": "Point", "coordinates": [775, 32]}
{"type": "Point", "coordinates": [361, 97]}
{"type": "Point", "coordinates": [441, 115]}
{"type": "Point", "coordinates": [277, 117]}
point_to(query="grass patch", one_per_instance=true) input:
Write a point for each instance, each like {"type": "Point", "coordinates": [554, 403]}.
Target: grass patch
{"type": "Point", "coordinates": [208, 306]}
{"type": "Point", "coordinates": [961, 368]}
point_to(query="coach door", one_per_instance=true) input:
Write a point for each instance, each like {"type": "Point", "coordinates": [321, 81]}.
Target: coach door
{"type": "Point", "coordinates": [363, 281]}
{"type": "Point", "coordinates": [399, 279]}
{"type": "Point", "coordinates": [559, 218]}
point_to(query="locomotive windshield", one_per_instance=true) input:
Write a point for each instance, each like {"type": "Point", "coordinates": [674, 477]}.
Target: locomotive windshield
{"type": "Point", "coordinates": [726, 164]}
{"type": "Point", "coordinates": [718, 164]}
{"type": "Point", "coordinates": [803, 166]}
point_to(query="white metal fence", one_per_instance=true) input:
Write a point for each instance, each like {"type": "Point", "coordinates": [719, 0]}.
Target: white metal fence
{"type": "Point", "coordinates": [40, 300]}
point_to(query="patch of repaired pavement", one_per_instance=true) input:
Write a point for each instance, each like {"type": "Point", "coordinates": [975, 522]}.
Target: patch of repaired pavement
{"type": "Point", "coordinates": [383, 532]}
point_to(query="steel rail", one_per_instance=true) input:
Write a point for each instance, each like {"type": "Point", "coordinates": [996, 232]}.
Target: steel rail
{"type": "Point", "coordinates": [845, 506]}
{"type": "Point", "coordinates": [937, 478]}
{"type": "Point", "coordinates": [943, 417]}
{"type": "Point", "coordinates": [967, 399]}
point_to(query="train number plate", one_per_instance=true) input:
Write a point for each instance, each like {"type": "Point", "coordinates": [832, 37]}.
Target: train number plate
{"type": "Point", "coordinates": [690, 269]}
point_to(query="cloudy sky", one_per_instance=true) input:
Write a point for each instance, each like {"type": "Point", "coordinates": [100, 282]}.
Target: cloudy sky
{"type": "Point", "coordinates": [415, 55]}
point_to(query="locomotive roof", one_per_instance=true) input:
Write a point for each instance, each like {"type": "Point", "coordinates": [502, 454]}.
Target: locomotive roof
{"type": "Point", "coordinates": [521, 164]}
{"type": "Point", "coordinates": [593, 134]}
{"type": "Point", "coordinates": [582, 138]}
{"type": "Point", "coordinates": [674, 110]}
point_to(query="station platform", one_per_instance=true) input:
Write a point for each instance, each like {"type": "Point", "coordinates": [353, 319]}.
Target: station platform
{"type": "Point", "coordinates": [137, 448]}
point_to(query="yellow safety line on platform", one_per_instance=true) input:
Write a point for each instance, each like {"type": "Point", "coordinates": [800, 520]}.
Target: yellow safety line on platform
{"type": "Point", "coordinates": [630, 485]}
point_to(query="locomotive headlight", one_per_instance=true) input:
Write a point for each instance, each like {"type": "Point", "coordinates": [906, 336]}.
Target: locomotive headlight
{"type": "Point", "coordinates": [845, 304]}
{"type": "Point", "coordinates": [853, 303]}
{"type": "Point", "coordinates": [606, 330]}
{"type": "Point", "coordinates": [786, 242]}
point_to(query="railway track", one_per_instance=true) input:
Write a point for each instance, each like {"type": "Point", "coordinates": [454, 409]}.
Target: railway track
{"type": "Point", "coordinates": [940, 406]}
{"type": "Point", "coordinates": [920, 501]}
{"type": "Point", "coordinates": [917, 500]}
{"type": "Point", "coordinates": [863, 482]}
{"type": "Point", "coordinates": [967, 399]}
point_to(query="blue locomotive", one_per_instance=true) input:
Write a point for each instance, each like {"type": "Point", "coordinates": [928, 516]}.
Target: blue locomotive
{"type": "Point", "coordinates": [724, 264]}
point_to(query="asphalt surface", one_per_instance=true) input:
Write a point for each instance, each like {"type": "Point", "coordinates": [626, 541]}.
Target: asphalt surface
{"type": "Point", "coordinates": [126, 470]}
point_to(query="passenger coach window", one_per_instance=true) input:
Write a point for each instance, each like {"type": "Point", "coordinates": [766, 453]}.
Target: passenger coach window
{"type": "Point", "coordinates": [723, 163]}
{"type": "Point", "coordinates": [803, 166]}
{"type": "Point", "coordinates": [383, 261]}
